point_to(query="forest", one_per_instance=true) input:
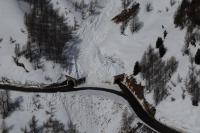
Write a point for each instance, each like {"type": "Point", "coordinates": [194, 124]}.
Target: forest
{"type": "Point", "coordinates": [48, 34]}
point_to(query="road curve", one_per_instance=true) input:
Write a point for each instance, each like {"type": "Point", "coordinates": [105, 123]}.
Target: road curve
{"type": "Point", "coordinates": [126, 94]}
{"type": "Point", "coordinates": [63, 88]}
{"type": "Point", "coordinates": [142, 114]}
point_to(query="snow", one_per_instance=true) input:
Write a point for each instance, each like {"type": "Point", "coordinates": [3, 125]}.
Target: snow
{"type": "Point", "coordinates": [104, 52]}
{"type": "Point", "coordinates": [11, 26]}
{"type": "Point", "coordinates": [90, 111]}
{"type": "Point", "coordinates": [102, 43]}
{"type": "Point", "coordinates": [180, 114]}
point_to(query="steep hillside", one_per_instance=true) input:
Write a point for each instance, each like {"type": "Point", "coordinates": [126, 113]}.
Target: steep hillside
{"type": "Point", "coordinates": [102, 48]}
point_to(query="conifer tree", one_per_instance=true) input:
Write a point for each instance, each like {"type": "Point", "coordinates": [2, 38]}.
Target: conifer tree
{"type": "Point", "coordinates": [137, 68]}
{"type": "Point", "coordinates": [159, 42]}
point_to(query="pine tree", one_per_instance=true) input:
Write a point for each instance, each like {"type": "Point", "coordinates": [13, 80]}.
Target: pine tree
{"type": "Point", "coordinates": [180, 16]}
{"type": "Point", "coordinates": [54, 126]}
{"type": "Point", "coordinates": [159, 42]}
{"type": "Point", "coordinates": [34, 125]}
{"type": "Point", "coordinates": [165, 34]}
{"type": "Point", "coordinates": [192, 84]}
{"type": "Point", "coordinates": [162, 50]}
{"type": "Point", "coordinates": [137, 68]}
{"type": "Point", "coordinates": [5, 103]}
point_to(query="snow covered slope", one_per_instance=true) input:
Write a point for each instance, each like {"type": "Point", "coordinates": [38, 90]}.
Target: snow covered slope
{"type": "Point", "coordinates": [103, 53]}
{"type": "Point", "coordinates": [12, 32]}
{"type": "Point", "coordinates": [89, 111]}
